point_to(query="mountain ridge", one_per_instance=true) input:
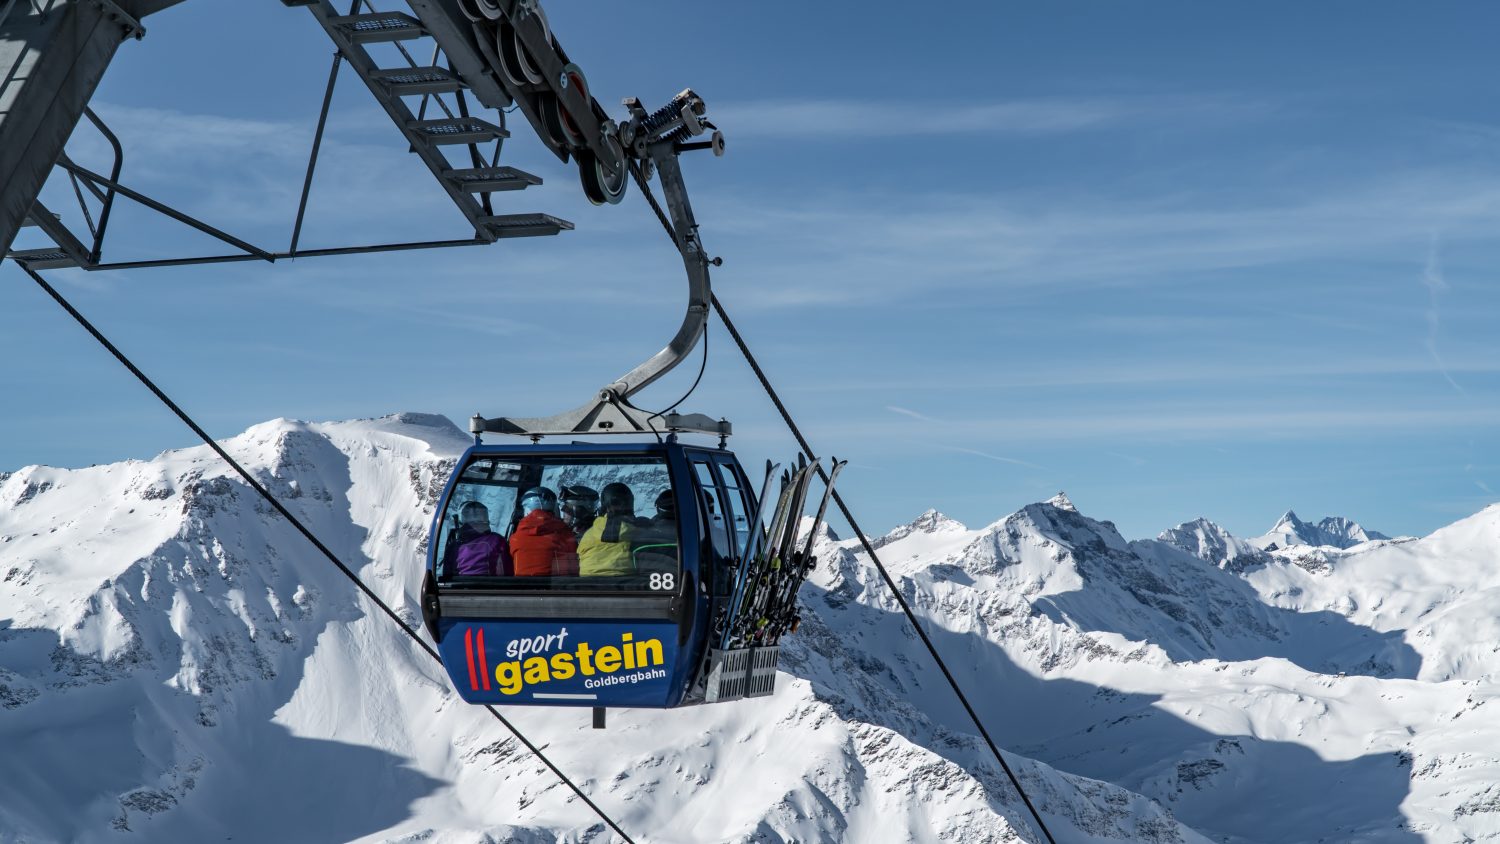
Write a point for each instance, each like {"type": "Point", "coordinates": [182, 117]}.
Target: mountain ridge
{"type": "Point", "coordinates": [158, 620]}
{"type": "Point", "coordinates": [1331, 531]}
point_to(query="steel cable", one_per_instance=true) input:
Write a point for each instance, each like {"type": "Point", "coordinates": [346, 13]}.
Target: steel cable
{"type": "Point", "coordinates": [302, 529]}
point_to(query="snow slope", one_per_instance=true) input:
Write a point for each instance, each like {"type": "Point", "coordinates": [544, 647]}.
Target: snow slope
{"type": "Point", "coordinates": [176, 664]}
{"type": "Point", "coordinates": [1285, 702]}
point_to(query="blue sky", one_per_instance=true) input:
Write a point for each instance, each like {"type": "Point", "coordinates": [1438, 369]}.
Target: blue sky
{"type": "Point", "coordinates": [1177, 259]}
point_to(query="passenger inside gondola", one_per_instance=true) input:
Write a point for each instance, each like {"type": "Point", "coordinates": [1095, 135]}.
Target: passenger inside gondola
{"type": "Point", "coordinates": [542, 545]}
{"type": "Point", "coordinates": [655, 545]}
{"type": "Point", "coordinates": [605, 547]}
{"type": "Point", "coordinates": [474, 550]}
{"type": "Point", "coordinates": [580, 505]}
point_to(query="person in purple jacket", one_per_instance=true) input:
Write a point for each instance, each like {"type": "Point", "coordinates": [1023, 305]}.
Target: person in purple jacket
{"type": "Point", "coordinates": [476, 550]}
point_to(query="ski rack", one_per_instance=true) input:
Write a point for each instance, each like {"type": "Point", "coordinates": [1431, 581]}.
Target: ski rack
{"type": "Point", "coordinates": [762, 606]}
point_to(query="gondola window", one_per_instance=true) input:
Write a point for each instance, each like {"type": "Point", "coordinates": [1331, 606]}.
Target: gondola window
{"type": "Point", "coordinates": [600, 529]}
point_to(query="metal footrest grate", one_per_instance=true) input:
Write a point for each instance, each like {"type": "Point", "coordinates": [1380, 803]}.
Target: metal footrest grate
{"type": "Point", "coordinates": [46, 258]}
{"type": "Point", "coordinates": [740, 673]}
{"type": "Point", "coordinates": [524, 225]}
{"type": "Point", "coordinates": [458, 130]}
{"type": "Point", "coordinates": [379, 27]}
{"type": "Point", "coordinates": [415, 81]}
{"type": "Point", "coordinates": [488, 179]}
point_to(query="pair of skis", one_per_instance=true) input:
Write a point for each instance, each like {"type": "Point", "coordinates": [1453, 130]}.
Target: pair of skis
{"type": "Point", "coordinates": [779, 608]}
{"type": "Point", "coordinates": [762, 605]}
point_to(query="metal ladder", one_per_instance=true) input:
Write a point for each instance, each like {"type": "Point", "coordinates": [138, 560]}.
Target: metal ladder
{"type": "Point", "coordinates": [455, 70]}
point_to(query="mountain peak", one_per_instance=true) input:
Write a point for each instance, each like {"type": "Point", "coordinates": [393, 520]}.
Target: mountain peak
{"type": "Point", "coordinates": [929, 522]}
{"type": "Point", "coordinates": [1288, 519]}
{"type": "Point", "coordinates": [1062, 502]}
{"type": "Point", "coordinates": [1332, 531]}
{"type": "Point", "coordinates": [1213, 544]}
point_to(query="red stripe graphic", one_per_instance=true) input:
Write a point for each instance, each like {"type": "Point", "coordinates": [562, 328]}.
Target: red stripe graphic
{"type": "Point", "coordinates": [469, 646]}
{"type": "Point", "coordinates": [484, 666]}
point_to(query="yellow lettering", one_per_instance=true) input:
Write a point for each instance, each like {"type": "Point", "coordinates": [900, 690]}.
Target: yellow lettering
{"type": "Point", "coordinates": [652, 647]}
{"type": "Point", "coordinates": [508, 675]}
{"type": "Point", "coordinates": [562, 666]}
{"type": "Point", "coordinates": [516, 675]}
{"type": "Point", "coordinates": [608, 659]}
{"type": "Point", "coordinates": [536, 670]}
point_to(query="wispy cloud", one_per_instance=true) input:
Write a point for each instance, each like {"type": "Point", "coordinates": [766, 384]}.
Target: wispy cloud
{"type": "Point", "coordinates": [1160, 372]}
{"type": "Point", "coordinates": [854, 120]}
{"type": "Point", "coordinates": [912, 413]}
{"type": "Point", "coordinates": [985, 454]}
{"type": "Point", "coordinates": [1253, 421]}
{"type": "Point", "coordinates": [1432, 279]}
{"type": "Point", "coordinates": [928, 443]}
{"type": "Point", "coordinates": [1133, 461]}
{"type": "Point", "coordinates": [930, 244]}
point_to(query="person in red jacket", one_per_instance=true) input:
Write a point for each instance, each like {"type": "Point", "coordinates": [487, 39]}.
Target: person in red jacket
{"type": "Point", "coordinates": [542, 544]}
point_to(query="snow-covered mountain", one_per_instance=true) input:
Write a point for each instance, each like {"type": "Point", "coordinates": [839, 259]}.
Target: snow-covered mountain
{"type": "Point", "coordinates": [176, 664]}
{"type": "Point", "coordinates": [1211, 543]}
{"type": "Point", "coordinates": [1290, 703]}
{"type": "Point", "coordinates": [933, 525]}
{"type": "Point", "coordinates": [1332, 532]}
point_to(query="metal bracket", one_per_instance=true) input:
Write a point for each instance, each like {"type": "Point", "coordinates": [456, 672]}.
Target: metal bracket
{"type": "Point", "coordinates": [133, 27]}
{"type": "Point", "coordinates": [603, 418]}
{"type": "Point", "coordinates": [652, 138]}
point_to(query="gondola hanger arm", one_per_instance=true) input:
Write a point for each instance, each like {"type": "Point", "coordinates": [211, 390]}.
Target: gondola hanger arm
{"type": "Point", "coordinates": [653, 142]}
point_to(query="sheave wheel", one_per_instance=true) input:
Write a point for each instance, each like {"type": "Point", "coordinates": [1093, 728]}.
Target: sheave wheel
{"type": "Point", "coordinates": [550, 109]}
{"type": "Point", "coordinates": [598, 185]}
{"type": "Point", "coordinates": [507, 47]}
{"type": "Point", "coordinates": [574, 76]}
{"type": "Point", "coordinates": [515, 62]}
{"type": "Point", "coordinates": [471, 10]}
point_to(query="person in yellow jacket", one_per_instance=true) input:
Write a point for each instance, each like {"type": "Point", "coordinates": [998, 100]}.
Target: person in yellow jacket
{"type": "Point", "coordinates": [604, 549]}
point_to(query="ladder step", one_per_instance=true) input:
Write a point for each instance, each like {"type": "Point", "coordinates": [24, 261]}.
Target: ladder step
{"type": "Point", "coordinates": [489, 179]}
{"type": "Point", "coordinates": [415, 81]}
{"type": "Point", "coordinates": [524, 225]}
{"type": "Point", "coordinates": [47, 258]}
{"type": "Point", "coordinates": [458, 130]}
{"type": "Point", "coordinates": [379, 27]}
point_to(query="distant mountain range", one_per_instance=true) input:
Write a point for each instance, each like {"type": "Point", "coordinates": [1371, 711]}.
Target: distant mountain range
{"type": "Point", "coordinates": [1332, 532]}
{"type": "Point", "coordinates": [177, 666]}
